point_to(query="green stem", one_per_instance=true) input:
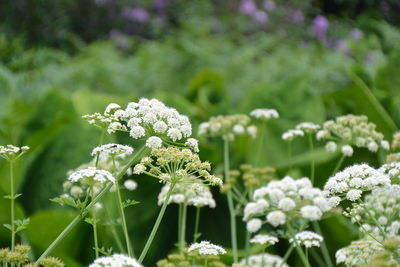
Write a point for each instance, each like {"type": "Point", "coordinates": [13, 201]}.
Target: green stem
{"type": "Point", "coordinates": [287, 254]}
{"type": "Point", "coordinates": [82, 215]}
{"type": "Point", "coordinates": [312, 171]}
{"type": "Point", "coordinates": [156, 225]}
{"type": "Point", "coordinates": [339, 164]}
{"type": "Point", "coordinates": [100, 143]}
{"type": "Point", "coordinates": [196, 225]}
{"type": "Point", "coordinates": [230, 203]}
{"type": "Point", "coordinates": [96, 242]}
{"type": "Point", "coordinates": [247, 246]}
{"type": "Point", "coordinates": [205, 262]}
{"type": "Point", "coordinates": [180, 226]}
{"type": "Point", "coordinates": [12, 205]}
{"type": "Point", "coordinates": [303, 257]}
{"type": "Point", "coordinates": [290, 156]}
{"type": "Point", "coordinates": [324, 248]}
{"type": "Point", "coordinates": [183, 229]}
{"type": "Point", "coordinates": [260, 145]}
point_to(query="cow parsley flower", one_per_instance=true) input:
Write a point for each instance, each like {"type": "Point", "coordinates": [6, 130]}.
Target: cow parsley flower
{"type": "Point", "coordinates": [10, 152]}
{"type": "Point", "coordinates": [313, 213]}
{"type": "Point", "coordinates": [308, 127]}
{"type": "Point", "coordinates": [253, 225]}
{"type": "Point", "coordinates": [331, 147]}
{"type": "Point", "coordinates": [130, 185]}
{"type": "Point", "coordinates": [359, 177]}
{"type": "Point", "coordinates": [227, 126]}
{"type": "Point", "coordinates": [112, 151]}
{"type": "Point", "coordinates": [206, 248]}
{"type": "Point", "coordinates": [358, 253]}
{"type": "Point", "coordinates": [264, 239]}
{"type": "Point", "coordinates": [154, 142]}
{"type": "Point", "coordinates": [392, 170]}
{"type": "Point", "coordinates": [291, 134]}
{"type": "Point", "coordinates": [261, 260]}
{"type": "Point", "coordinates": [192, 194]}
{"type": "Point", "coordinates": [90, 174]}
{"type": "Point", "coordinates": [264, 114]}
{"type": "Point", "coordinates": [307, 238]}
{"type": "Point", "coordinates": [116, 260]}
{"type": "Point", "coordinates": [347, 150]}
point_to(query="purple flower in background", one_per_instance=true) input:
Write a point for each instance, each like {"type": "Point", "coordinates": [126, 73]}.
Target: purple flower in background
{"type": "Point", "coordinates": [341, 46]}
{"type": "Point", "coordinates": [319, 27]}
{"type": "Point", "coordinates": [297, 16]}
{"type": "Point", "coordinates": [260, 17]}
{"type": "Point", "coordinates": [161, 3]}
{"type": "Point", "coordinates": [269, 5]}
{"type": "Point", "coordinates": [356, 34]}
{"type": "Point", "coordinates": [138, 14]}
{"type": "Point", "coordinates": [248, 7]}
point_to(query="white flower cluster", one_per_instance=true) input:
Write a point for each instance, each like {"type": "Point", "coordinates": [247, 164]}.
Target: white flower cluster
{"type": "Point", "coordinates": [145, 118]}
{"type": "Point", "coordinates": [392, 170]}
{"type": "Point", "coordinates": [206, 248]}
{"type": "Point", "coordinates": [379, 207]}
{"type": "Point", "coordinates": [195, 194]}
{"type": "Point", "coordinates": [228, 126]}
{"type": "Point", "coordinates": [353, 181]}
{"type": "Point", "coordinates": [352, 130]}
{"type": "Point", "coordinates": [10, 152]}
{"type": "Point", "coordinates": [264, 114]}
{"type": "Point", "coordinates": [300, 130]}
{"type": "Point", "coordinates": [264, 239]}
{"type": "Point", "coordinates": [307, 238]}
{"type": "Point", "coordinates": [116, 260]}
{"type": "Point", "coordinates": [91, 173]}
{"type": "Point", "coordinates": [283, 200]}
{"type": "Point", "coordinates": [358, 253]}
{"type": "Point", "coordinates": [262, 260]}
{"type": "Point", "coordinates": [130, 185]}
{"type": "Point", "coordinates": [112, 150]}
{"type": "Point", "coordinates": [291, 134]}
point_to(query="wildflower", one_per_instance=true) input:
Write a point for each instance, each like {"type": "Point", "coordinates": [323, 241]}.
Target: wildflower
{"type": "Point", "coordinates": [358, 253]}
{"type": "Point", "coordinates": [51, 261]}
{"type": "Point", "coordinates": [310, 212]}
{"type": "Point", "coordinates": [10, 152]}
{"type": "Point", "coordinates": [252, 131]}
{"type": "Point", "coordinates": [206, 248]}
{"type": "Point", "coordinates": [347, 151]}
{"type": "Point", "coordinates": [360, 177]}
{"type": "Point", "coordinates": [265, 114]}
{"type": "Point", "coordinates": [276, 218]}
{"type": "Point", "coordinates": [193, 144]}
{"type": "Point", "coordinates": [154, 142]}
{"type": "Point", "coordinates": [112, 151]}
{"type": "Point", "coordinates": [253, 225]}
{"type": "Point", "coordinates": [308, 127]}
{"type": "Point", "coordinates": [392, 170]}
{"type": "Point", "coordinates": [114, 261]}
{"type": "Point", "coordinates": [291, 134]}
{"type": "Point", "coordinates": [92, 173]}
{"type": "Point", "coordinates": [307, 238]}
{"type": "Point", "coordinates": [264, 239]}
{"type": "Point", "coordinates": [130, 185]}
{"type": "Point", "coordinates": [331, 146]}
{"type": "Point", "coordinates": [261, 260]}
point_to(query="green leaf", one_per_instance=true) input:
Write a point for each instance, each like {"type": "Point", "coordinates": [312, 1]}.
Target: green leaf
{"type": "Point", "coordinates": [129, 202]}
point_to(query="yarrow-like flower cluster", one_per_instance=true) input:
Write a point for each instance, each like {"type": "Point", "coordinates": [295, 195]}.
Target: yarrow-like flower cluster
{"type": "Point", "coordinates": [228, 126]}
{"type": "Point", "coordinates": [146, 118]}
{"type": "Point", "coordinates": [264, 114]}
{"type": "Point", "coordinates": [261, 260]}
{"type": "Point", "coordinates": [116, 260]}
{"type": "Point", "coordinates": [377, 212]}
{"type": "Point", "coordinates": [264, 239]}
{"type": "Point", "coordinates": [352, 130]}
{"type": "Point", "coordinates": [284, 200]}
{"type": "Point", "coordinates": [307, 238]}
{"type": "Point", "coordinates": [194, 194]}
{"type": "Point", "coordinates": [358, 253]}
{"type": "Point", "coordinates": [300, 130]}
{"type": "Point", "coordinates": [112, 151]}
{"type": "Point", "coordinates": [353, 181]}
{"type": "Point", "coordinates": [175, 166]}
{"type": "Point", "coordinates": [10, 152]}
{"type": "Point", "coordinates": [291, 134]}
{"type": "Point", "coordinates": [91, 174]}
{"type": "Point", "coordinates": [206, 248]}
{"type": "Point", "coordinates": [392, 170]}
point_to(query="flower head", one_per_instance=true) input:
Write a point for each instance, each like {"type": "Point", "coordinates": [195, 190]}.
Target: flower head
{"type": "Point", "coordinates": [264, 114]}
{"type": "Point", "coordinates": [307, 238]}
{"type": "Point", "coordinates": [92, 174]}
{"type": "Point", "coordinates": [358, 253]}
{"type": "Point", "coordinates": [112, 150]}
{"type": "Point", "coordinates": [206, 248]}
{"type": "Point", "coordinates": [10, 152]}
{"type": "Point", "coordinates": [264, 239]}
{"type": "Point", "coordinates": [261, 260]}
{"type": "Point", "coordinates": [116, 260]}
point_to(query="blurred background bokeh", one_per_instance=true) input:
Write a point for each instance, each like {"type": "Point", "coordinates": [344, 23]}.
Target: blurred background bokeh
{"type": "Point", "coordinates": [311, 60]}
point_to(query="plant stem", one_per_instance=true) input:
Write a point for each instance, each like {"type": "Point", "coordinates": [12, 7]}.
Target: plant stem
{"type": "Point", "coordinates": [183, 229]}
{"type": "Point", "coordinates": [156, 225]}
{"type": "Point", "coordinates": [94, 224]}
{"type": "Point", "coordinates": [230, 203]}
{"type": "Point", "coordinates": [302, 256]}
{"type": "Point", "coordinates": [82, 215]}
{"type": "Point", "coordinates": [196, 225]}
{"type": "Point", "coordinates": [260, 145]}
{"type": "Point", "coordinates": [12, 205]}
{"type": "Point", "coordinates": [324, 249]}
{"type": "Point", "coordinates": [339, 164]}
{"type": "Point", "coordinates": [287, 254]}
{"type": "Point", "coordinates": [179, 227]}
{"type": "Point", "coordinates": [290, 155]}
{"type": "Point", "coordinates": [312, 171]}
{"type": "Point", "coordinates": [247, 246]}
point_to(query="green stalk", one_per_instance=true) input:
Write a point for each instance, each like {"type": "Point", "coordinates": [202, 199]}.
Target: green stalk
{"type": "Point", "coordinates": [94, 224]}
{"type": "Point", "coordinates": [303, 257]}
{"type": "Point", "coordinates": [287, 254]}
{"type": "Point", "coordinates": [196, 225]}
{"type": "Point", "coordinates": [339, 164]}
{"type": "Point", "coordinates": [247, 246]}
{"type": "Point", "coordinates": [260, 145]}
{"type": "Point", "coordinates": [156, 225]}
{"type": "Point", "coordinates": [324, 248]}
{"type": "Point", "coordinates": [12, 205]}
{"type": "Point", "coordinates": [82, 215]}
{"type": "Point", "coordinates": [183, 229]}
{"type": "Point", "coordinates": [179, 226]}
{"type": "Point", "coordinates": [230, 203]}
{"type": "Point", "coordinates": [312, 171]}
{"type": "Point", "coordinates": [290, 155]}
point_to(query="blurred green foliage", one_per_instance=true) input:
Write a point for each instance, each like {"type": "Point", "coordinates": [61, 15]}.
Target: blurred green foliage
{"type": "Point", "coordinates": [44, 92]}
